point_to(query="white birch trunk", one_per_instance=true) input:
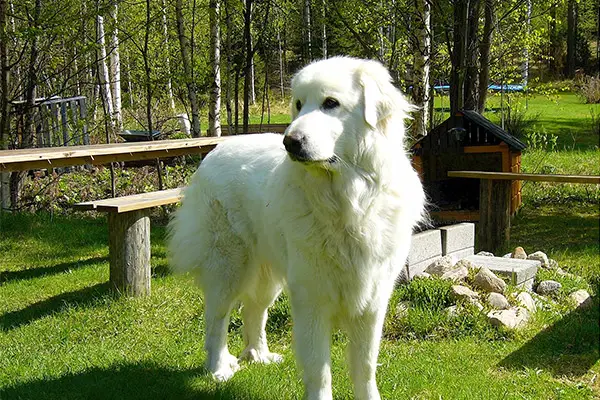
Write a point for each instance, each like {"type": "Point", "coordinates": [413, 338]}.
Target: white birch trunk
{"type": "Point", "coordinates": [214, 113]}
{"type": "Point", "coordinates": [422, 52]}
{"type": "Point", "coordinates": [103, 72]}
{"type": "Point", "coordinates": [280, 50]}
{"type": "Point", "coordinates": [167, 58]}
{"type": "Point", "coordinates": [115, 67]}
{"type": "Point", "coordinates": [252, 90]}
{"type": "Point", "coordinates": [324, 25]}
{"type": "Point", "coordinates": [308, 28]}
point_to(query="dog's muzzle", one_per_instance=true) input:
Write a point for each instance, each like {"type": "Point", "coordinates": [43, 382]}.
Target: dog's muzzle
{"type": "Point", "coordinates": [295, 145]}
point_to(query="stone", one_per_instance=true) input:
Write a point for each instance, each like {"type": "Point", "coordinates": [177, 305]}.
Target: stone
{"type": "Point", "coordinates": [525, 300]}
{"type": "Point", "coordinates": [465, 263]}
{"type": "Point", "coordinates": [581, 298]}
{"type": "Point", "coordinates": [507, 255]}
{"type": "Point", "coordinates": [488, 281]}
{"type": "Point", "coordinates": [440, 266]}
{"type": "Point", "coordinates": [548, 288]}
{"type": "Point", "coordinates": [451, 311]}
{"type": "Point", "coordinates": [498, 301]}
{"type": "Point", "coordinates": [424, 246]}
{"type": "Point", "coordinates": [518, 271]}
{"type": "Point", "coordinates": [477, 304]}
{"type": "Point", "coordinates": [519, 253]}
{"type": "Point", "coordinates": [457, 237]}
{"type": "Point", "coordinates": [402, 309]}
{"type": "Point", "coordinates": [541, 257]}
{"type": "Point", "coordinates": [417, 268]}
{"type": "Point", "coordinates": [513, 318]}
{"type": "Point", "coordinates": [423, 275]}
{"type": "Point", "coordinates": [485, 254]}
{"type": "Point", "coordinates": [464, 293]}
{"type": "Point", "coordinates": [457, 274]}
{"type": "Point", "coordinates": [552, 263]}
{"type": "Point", "coordinates": [460, 254]}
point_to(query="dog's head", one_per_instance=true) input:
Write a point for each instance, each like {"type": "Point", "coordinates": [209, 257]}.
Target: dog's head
{"type": "Point", "coordinates": [337, 106]}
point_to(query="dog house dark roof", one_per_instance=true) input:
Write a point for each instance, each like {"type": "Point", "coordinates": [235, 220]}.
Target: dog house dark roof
{"type": "Point", "coordinates": [488, 125]}
{"type": "Point", "coordinates": [479, 130]}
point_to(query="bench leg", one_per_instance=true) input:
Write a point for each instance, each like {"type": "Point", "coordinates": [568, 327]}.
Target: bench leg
{"type": "Point", "coordinates": [129, 250]}
{"type": "Point", "coordinates": [493, 230]}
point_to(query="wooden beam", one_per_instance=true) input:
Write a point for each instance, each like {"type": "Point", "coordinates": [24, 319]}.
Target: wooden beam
{"type": "Point", "coordinates": [25, 159]}
{"type": "Point", "coordinates": [493, 229]}
{"type": "Point", "coordinates": [133, 202]}
{"type": "Point", "coordinates": [590, 179]}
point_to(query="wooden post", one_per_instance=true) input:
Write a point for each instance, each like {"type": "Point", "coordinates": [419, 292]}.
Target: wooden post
{"type": "Point", "coordinates": [129, 250]}
{"type": "Point", "coordinates": [494, 210]}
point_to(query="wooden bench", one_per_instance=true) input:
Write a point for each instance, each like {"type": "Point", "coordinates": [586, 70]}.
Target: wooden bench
{"type": "Point", "coordinates": [493, 232]}
{"type": "Point", "coordinates": [129, 236]}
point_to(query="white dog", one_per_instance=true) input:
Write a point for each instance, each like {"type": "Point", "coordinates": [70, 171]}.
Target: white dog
{"type": "Point", "coordinates": [326, 210]}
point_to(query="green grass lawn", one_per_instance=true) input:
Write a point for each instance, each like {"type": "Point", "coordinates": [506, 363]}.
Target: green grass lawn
{"type": "Point", "coordinates": [64, 335]}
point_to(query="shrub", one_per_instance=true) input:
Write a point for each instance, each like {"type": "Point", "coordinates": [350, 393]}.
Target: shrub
{"type": "Point", "coordinates": [518, 122]}
{"type": "Point", "coordinates": [589, 90]}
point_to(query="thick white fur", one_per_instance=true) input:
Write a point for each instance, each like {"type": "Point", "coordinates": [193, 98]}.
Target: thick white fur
{"type": "Point", "coordinates": [335, 230]}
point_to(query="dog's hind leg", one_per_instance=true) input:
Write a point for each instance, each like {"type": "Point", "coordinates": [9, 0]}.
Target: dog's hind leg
{"type": "Point", "coordinates": [217, 309]}
{"type": "Point", "coordinates": [254, 314]}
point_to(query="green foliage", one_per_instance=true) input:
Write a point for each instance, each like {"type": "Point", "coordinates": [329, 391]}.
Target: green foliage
{"type": "Point", "coordinates": [432, 293]}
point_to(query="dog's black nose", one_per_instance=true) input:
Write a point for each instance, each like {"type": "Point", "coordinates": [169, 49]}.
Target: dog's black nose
{"type": "Point", "coordinates": [293, 143]}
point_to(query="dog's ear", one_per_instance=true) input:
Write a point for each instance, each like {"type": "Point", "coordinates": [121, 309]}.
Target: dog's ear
{"type": "Point", "coordinates": [382, 99]}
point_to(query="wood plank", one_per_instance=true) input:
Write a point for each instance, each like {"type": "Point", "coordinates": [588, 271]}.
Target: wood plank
{"type": "Point", "coordinates": [134, 202]}
{"type": "Point", "coordinates": [483, 149]}
{"type": "Point", "coordinates": [591, 179]}
{"type": "Point", "coordinates": [493, 230]}
{"type": "Point", "coordinates": [24, 159]}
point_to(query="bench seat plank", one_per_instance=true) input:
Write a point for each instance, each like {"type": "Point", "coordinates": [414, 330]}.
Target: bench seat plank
{"type": "Point", "coordinates": [134, 202]}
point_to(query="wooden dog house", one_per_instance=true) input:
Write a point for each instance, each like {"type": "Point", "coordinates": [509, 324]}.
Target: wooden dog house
{"type": "Point", "coordinates": [465, 141]}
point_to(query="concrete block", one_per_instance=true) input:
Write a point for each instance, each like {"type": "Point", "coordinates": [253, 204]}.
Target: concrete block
{"type": "Point", "coordinates": [457, 237]}
{"type": "Point", "coordinates": [518, 271]}
{"type": "Point", "coordinates": [417, 268]}
{"type": "Point", "coordinates": [425, 245]}
{"type": "Point", "coordinates": [460, 254]}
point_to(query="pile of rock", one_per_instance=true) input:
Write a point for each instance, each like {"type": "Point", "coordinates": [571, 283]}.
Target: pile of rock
{"type": "Point", "coordinates": [478, 285]}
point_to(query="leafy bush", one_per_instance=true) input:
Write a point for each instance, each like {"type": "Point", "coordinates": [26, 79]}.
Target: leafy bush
{"type": "Point", "coordinates": [589, 90]}
{"type": "Point", "coordinates": [517, 121]}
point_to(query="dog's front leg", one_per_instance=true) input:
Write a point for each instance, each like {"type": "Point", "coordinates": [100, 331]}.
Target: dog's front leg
{"type": "Point", "coordinates": [364, 334]}
{"type": "Point", "coordinates": [312, 329]}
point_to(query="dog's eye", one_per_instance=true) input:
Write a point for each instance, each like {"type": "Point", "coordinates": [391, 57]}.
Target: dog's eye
{"type": "Point", "coordinates": [330, 103]}
{"type": "Point", "coordinates": [298, 105]}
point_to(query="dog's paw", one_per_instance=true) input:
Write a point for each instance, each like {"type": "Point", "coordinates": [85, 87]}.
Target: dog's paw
{"type": "Point", "coordinates": [227, 367]}
{"type": "Point", "coordinates": [263, 357]}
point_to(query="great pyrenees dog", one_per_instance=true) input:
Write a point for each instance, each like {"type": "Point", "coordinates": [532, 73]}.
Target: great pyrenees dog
{"type": "Point", "coordinates": [325, 211]}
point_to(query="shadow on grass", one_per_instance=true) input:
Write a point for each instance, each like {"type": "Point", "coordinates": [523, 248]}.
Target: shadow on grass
{"type": "Point", "coordinates": [131, 381]}
{"type": "Point", "coordinates": [31, 273]}
{"type": "Point", "coordinates": [86, 297]}
{"type": "Point", "coordinates": [568, 347]}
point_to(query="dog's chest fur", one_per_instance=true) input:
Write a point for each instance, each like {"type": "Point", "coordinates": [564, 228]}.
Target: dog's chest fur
{"type": "Point", "coordinates": [347, 232]}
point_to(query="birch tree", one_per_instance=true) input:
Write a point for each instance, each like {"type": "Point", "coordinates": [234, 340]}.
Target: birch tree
{"type": "Point", "coordinates": [115, 67]}
{"type": "Point", "coordinates": [167, 57]}
{"type": "Point", "coordinates": [184, 46]}
{"type": "Point", "coordinates": [103, 71]}
{"type": "Point", "coordinates": [214, 113]}
{"type": "Point", "coordinates": [422, 53]}
{"type": "Point", "coordinates": [4, 121]}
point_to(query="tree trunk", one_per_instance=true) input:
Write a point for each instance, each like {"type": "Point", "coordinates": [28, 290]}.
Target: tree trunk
{"type": "Point", "coordinates": [214, 113]}
{"type": "Point", "coordinates": [571, 36]}
{"type": "Point", "coordinates": [147, 70]}
{"type": "Point", "coordinates": [184, 46]}
{"type": "Point", "coordinates": [457, 56]}
{"type": "Point", "coordinates": [248, 65]}
{"type": "Point", "coordinates": [115, 67]}
{"type": "Point", "coordinates": [168, 57]}
{"type": "Point", "coordinates": [229, 69]}
{"type": "Point", "coordinates": [422, 52]}
{"type": "Point", "coordinates": [307, 21]}
{"type": "Point", "coordinates": [484, 55]}
{"type": "Point", "coordinates": [280, 52]}
{"type": "Point", "coordinates": [4, 121]}
{"type": "Point", "coordinates": [104, 74]}
{"type": "Point", "coordinates": [324, 26]}
{"type": "Point", "coordinates": [525, 66]}
{"type": "Point", "coordinates": [471, 71]}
